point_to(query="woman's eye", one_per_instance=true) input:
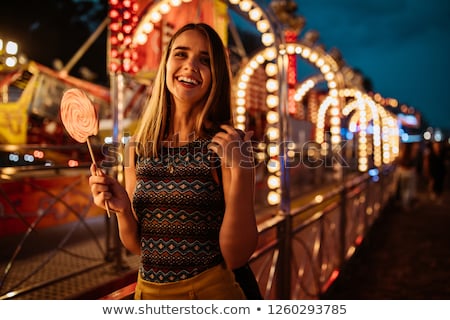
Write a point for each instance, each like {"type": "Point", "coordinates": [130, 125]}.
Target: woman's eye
{"type": "Point", "coordinates": [206, 61]}
{"type": "Point", "coordinates": [180, 54]}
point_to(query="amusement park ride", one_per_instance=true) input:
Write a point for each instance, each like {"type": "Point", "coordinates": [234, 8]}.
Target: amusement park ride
{"type": "Point", "coordinates": [321, 113]}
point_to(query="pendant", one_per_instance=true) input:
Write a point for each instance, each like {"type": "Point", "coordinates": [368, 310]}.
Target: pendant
{"type": "Point", "coordinates": [170, 168]}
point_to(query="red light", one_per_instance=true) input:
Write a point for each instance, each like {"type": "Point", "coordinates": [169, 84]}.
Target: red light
{"type": "Point", "coordinates": [359, 240]}
{"type": "Point", "coordinates": [114, 26]}
{"type": "Point", "coordinates": [126, 54]}
{"type": "Point", "coordinates": [113, 14]}
{"type": "Point", "coordinates": [126, 15]}
{"type": "Point", "coordinates": [330, 281]}
{"type": "Point", "coordinates": [114, 66]}
{"type": "Point", "coordinates": [113, 40]}
{"type": "Point", "coordinates": [114, 53]}
{"type": "Point", "coordinates": [127, 40]}
{"type": "Point", "coordinates": [127, 28]}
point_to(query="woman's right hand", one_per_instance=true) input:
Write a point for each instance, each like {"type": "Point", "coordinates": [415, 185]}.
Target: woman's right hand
{"type": "Point", "coordinates": [105, 188]}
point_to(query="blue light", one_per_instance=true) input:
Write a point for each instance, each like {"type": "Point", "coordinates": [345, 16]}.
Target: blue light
{"type": "Point", "coordinates": [13, 157]}
{"type": "Point", "coordinates": [373, 172]}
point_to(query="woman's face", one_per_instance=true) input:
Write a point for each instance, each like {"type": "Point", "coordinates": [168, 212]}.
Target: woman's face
{"type": "Point", "coordinates": [188, 69]}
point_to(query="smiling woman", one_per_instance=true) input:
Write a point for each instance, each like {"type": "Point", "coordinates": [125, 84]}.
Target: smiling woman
{"type": "Point", "coordinates": [188, 80]}
{"type": "Point", "coordinates": [188, 204]}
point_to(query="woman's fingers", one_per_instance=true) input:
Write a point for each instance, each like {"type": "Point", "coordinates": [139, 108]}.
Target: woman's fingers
{"type": "Point", "coordinates": [248, 135]}
{"type": "Point", "coordinates": [92, 169]}
{"type": "Point", "coordinates": [100, 186]}
{"type": "Point", "coordinates": [96, 171]}
{"type": "Point", "coordinates": [232, 146]}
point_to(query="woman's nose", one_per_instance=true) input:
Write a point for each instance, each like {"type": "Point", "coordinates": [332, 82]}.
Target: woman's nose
{"type": "Point", "coordinates": [192, 64]}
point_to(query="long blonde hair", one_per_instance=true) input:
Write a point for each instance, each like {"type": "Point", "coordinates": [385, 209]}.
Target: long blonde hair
{"type": "Point", "coordinates": [154, 122]}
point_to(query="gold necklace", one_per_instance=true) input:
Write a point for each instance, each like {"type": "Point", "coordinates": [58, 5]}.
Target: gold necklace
{"type": "Point", "coordinates": [174, 140]}
{"type": "Point", "coordinates": [170, 159]}
{"type": "Point", "coordinates": [170, 167]}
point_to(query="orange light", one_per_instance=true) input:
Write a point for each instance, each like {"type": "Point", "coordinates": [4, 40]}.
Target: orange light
{"type": "Point", "coordinates": [38, 154]}
{"type": "Point", "coordinates": [72, 163]}
{"type": "Point", "coordinates": [126, 65]}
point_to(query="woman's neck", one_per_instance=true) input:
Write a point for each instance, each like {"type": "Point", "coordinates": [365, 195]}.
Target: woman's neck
{"type": "Point", "coordinates": [182, 127]}
{"type": "Point", "coordinates": [178, 139]}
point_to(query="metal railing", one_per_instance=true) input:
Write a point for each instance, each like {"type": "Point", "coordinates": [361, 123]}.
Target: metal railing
{"type": "Point", "coordinates": [46, 219]}
{"type": "Point", "coordinates": [298, 255]}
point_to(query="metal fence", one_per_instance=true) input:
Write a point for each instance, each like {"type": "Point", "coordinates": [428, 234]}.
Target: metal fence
{"type": "Point", "coordinates": [298, 256]}
{"type": "Point", "coordinates": [45, 221]}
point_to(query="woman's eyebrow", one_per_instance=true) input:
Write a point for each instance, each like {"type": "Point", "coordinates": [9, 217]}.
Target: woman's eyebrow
{"type": "Point", "coordinates": [181, 48]}
{"type": "Point", "coordinates": [188, 48]}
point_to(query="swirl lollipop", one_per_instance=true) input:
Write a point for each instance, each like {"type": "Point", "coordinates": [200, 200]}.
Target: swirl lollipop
{"type": "Point", "coordinates": [80, 119]}
{"type": "Point", "coordinates": [78, 115]}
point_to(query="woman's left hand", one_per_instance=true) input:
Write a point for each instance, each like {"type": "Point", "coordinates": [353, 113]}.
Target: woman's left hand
{"type": "Point", "coordinates": [233, 147]}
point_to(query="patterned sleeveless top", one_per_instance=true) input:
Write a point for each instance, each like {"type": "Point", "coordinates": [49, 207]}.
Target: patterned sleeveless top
{"type": "Point", "coordinates": [180, 208]}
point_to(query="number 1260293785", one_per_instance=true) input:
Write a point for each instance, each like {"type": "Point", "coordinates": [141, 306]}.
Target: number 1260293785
{"type": "Point", "coordinates": [305, 309]}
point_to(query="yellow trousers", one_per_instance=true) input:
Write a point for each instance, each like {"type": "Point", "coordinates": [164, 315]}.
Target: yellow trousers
{"type": "Point", "coordinates": [217, 283]}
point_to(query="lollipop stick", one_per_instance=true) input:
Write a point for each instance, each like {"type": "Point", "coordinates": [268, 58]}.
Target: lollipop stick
{"type": "Point", "coordinates": [95, 163]}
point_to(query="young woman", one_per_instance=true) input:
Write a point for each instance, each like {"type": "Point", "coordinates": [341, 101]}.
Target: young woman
{"type": "Point", "coordinates": [188, 203]}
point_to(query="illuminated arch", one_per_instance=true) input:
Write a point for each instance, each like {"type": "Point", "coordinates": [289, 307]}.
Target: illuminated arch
{"type": "Point", "coordinates": [366, 110]}
{"type": "Point", "coordinates": [306, 85]}
{"type": "Point", "coordinates": [329, 69]}
{"type": "Point", "coordinates": [156, 11]}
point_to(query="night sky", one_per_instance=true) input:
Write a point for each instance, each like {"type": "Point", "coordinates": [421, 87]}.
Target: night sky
{"type": "Point", "coordinates": [400, 45]}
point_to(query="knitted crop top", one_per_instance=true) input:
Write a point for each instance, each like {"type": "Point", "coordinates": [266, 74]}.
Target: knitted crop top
{"type": "Point", "coordinates": [180, 208]}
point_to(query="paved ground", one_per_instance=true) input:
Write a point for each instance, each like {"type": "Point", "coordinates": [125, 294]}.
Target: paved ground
{"type": "Point", "coordinates": [406, 255]}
